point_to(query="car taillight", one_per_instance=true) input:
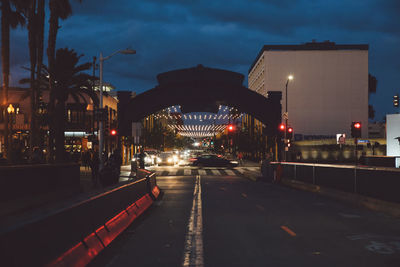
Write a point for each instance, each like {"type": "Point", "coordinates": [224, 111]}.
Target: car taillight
{"type": "Point", "coordinates": [192, 159]}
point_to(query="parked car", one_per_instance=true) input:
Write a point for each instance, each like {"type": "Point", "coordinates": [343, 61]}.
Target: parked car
{"type": "Point", "coordinates": [211, 160]}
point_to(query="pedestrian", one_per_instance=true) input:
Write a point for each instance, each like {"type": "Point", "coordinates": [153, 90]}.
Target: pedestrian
{"type": "Point", "coordinates": [94, 166]}
{"type": "Point", "coordinates": [37, 155]}
{"type": "Point", "coordinates": [266, 169]}
{"type": "Point", "coordinates": [298, 156]}
{"type": "Point", "coordinates": [3, 161]}
{"type": "Point", "coordinates": [86, 159]}
{"type": "Point", "coordinates": [115, 161]}
{"type": "Point", "coordinates": [240, 158]}
{"type": "Point", "coordinates": [141, 159]}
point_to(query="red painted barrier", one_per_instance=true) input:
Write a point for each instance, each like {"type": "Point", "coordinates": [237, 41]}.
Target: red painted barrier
{"type": "Point", "coordinates": [155, 191]}
{"type": "Point", "coordinates": [83, 252]}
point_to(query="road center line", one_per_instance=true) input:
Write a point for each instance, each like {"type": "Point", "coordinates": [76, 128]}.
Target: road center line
{"type": "Point", "coordinates": [287, 230]}
{"type": "Point", "coordinates": [193, 252]}
{"type": "Point", "coordinates": [260, 207]}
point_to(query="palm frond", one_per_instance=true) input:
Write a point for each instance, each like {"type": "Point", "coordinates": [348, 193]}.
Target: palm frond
{"type": "Point", "coordinates": [16, 19]}
{"type": "Point", "coordinates": [64, 9]}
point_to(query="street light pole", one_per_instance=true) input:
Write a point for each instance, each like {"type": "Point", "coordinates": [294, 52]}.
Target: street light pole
{"type": "Point", "coordinates": [101, 130]}
{"type": "Point", "coordinates": [101, 125]}
{"type": "Point", "coordinates": [290, 77]}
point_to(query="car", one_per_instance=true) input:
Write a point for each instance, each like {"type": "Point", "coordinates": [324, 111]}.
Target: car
{"type": "Point", "coordinates": [168, 158]}
{"type": "Point", "coordinates": [211, 160]}
{"type": "Point", "coordinates": [155, 159]}
{"type": "Point", "coordinates": [147, 158]}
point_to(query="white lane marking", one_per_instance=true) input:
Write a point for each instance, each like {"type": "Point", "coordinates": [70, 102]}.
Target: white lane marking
{"type": "Point", "coordinates": [240, 170]}
{"type": "Point", "coordinates": [216, 172]}
{"type": "Point", "coordinates": [230, 172]}
{"type": "Point", "coordinates": [202, 172]}
{"type": "Point", "coordinates": [187, 172]}
{"type": "Point", "coordinates": [193, 252]}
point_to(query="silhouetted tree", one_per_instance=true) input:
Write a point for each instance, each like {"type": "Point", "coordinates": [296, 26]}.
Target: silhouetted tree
{"type": "Point", "coordinates": [9, 19]}
{"type": "Point", "coordinates": [69, 80]}
{"type": "Point", "coordinates": [59, 9]}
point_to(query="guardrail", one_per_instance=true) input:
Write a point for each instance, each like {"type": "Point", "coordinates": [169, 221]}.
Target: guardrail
{"type": "Point", "coordinates": [378, 182]}
{"type": "Point", "coordinates": [73, 236]}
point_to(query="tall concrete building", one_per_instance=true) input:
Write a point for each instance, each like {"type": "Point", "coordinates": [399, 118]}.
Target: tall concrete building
{"type": "Point", "coordinates": [329, 89]}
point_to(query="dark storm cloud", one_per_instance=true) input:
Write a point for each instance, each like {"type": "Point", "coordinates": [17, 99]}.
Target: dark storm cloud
{"type": "Point", "coordinates": [171, 34]}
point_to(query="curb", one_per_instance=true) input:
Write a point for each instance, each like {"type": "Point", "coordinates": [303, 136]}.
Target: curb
{"type": "Point", "coordinates": [370, 203]}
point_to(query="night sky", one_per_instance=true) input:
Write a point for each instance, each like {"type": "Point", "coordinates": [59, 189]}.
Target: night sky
{"type": "Point", "coordinates": [172, 34]}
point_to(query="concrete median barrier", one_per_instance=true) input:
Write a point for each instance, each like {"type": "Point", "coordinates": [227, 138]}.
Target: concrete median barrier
{"type": "Point", "coordinates": [73, 236]}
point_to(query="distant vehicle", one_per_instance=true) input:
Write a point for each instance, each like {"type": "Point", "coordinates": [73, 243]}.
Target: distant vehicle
{"type": "Point", "coordinates": [154, 155]}
{"type": "Point", "coordinates": [211, 160]}
{"type": "Point", "coordinates": [147, 158]}
{"type": "Point", "coordinates": [168, 158]}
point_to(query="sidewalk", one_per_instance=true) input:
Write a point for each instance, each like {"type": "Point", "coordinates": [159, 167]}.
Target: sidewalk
{"type": "Point", "coordinates": [26, 208]}
{"type": "Point", "coordinates": [249, 163]}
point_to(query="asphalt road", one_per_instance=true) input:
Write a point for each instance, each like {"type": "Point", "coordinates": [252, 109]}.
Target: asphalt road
{"type": "Point", "coordinates": [228, 220]}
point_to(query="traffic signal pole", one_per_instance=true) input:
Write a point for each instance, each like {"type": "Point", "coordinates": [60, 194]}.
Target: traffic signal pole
{"type": "Point", "coordinates": [356, 133]}
{"type": "Point", "coordinates": [286, 124]}
{"type": "Point", "coordinates": [356, 150]}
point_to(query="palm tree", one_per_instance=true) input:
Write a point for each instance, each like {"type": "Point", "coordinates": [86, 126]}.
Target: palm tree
{"type": "Point", "coordinates": [69, 80]}
{"type": "Point", "coordinates": [59, 9]}
{"type": "Point", "coordinates": [34, 10]}
{"type": "Point", "coordinates": [9, 19]}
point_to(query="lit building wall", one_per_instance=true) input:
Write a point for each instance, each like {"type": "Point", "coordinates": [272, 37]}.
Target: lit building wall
{"type": "Point", "coordinates": [392, 133]}
{"type": "Point", "coordinates": [329, 89]}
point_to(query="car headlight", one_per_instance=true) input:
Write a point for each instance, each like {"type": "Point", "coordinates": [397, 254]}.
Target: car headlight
{"type": "Point", "coordinates": [170, 160]}
{"type": "Point", "coordinates": [134, 159]}
{"type": "Point", "coordinates": [175, 158]}
{"type": "Point", "coordinates": [159, 160]}
{"type": "Point", "coordinates": [234, 162]}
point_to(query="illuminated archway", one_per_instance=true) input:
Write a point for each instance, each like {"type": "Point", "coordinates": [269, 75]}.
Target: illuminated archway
{"type": "Point", "coordinates": [200, 89]}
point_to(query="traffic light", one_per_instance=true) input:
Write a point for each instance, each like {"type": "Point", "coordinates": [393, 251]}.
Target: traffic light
{"type": "Point", "coordinates": [282, 127]}
{"type": "Point", "coordinates": [289, 133]}
{"type": "Point", "coordinates": [113, 132]}
{"type": "Point", "coordinates": [396, 100]}
{"type": "Point", "coordinates": [356, 129]}
{"type": "Point", "coordinates": [231, 128]}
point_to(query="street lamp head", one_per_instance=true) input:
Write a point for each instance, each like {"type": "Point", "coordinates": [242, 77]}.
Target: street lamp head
{"type": "Point", "coordinates": [128, 51]}
{"type": "Point", "coordinates": [290, 77]}
{"type": "Point", "coordinates": [10, 109]}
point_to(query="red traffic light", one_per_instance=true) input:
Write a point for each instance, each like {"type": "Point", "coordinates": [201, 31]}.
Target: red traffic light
{"type": "Point", "coordinates": [282, 127]}
{"type": "Point", "coordinates": [357, 125]}
{"type": "Point", "coordinates": [290, 130]}
{"type": "Point", "coordinates": [231, 128]}
{"type": "Point", "coordinates": [113, 132]}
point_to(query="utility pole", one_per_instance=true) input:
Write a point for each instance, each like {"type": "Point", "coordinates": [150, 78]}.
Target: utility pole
{"type": "Point", "coordinates": [93, 89]}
